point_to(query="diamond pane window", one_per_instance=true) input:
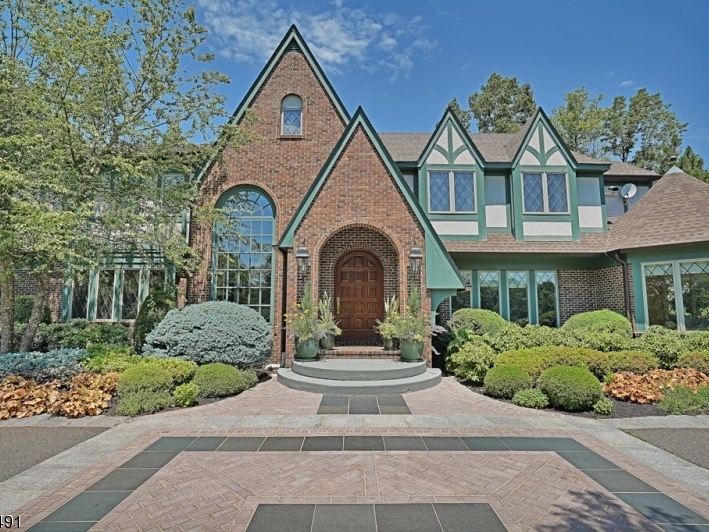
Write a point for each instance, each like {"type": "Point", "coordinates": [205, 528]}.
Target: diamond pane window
{"type": "Point", "coordinates": [80, 298]}
{"type": "Point", "coordinates": [695, 294]}
{"type": "Point", "coordinates": [533, 193]}
{"type": "Point", "coordinates": [490, 291]}
{"type": "Point", "coordinates": [464, 192]}
{"type": "Point", "coordinates": [243, 251]}
{"type": "Point", "coordinates": [518, 297]}
{"type": "Point", "coordinates": [462, 297]}
{"type": "Point", "coordinates": [660, 295]}
{"type": "Point", "coordinates": [104, 296]}
{"type": "Point", "coordinates": [439, 192]}
{"type": "Point", "coordinates": [130, 299]}
{"type": "Point", "coordinates": [292, 115]}
{"type": "Point", "coordinates": [556, 191]}
{"type": "Point", "coordinates": [546, 298]}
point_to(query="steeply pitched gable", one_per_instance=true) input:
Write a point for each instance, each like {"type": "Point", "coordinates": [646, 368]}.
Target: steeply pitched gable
{"type": "Point", "coordinates": [450, 144]}
{"type": "Point", "coordinates": [540, 144]}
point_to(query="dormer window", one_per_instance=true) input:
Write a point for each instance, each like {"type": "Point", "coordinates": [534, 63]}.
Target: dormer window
{"type": "Point", "coordinates": [545, 193]}
{"type": "Point", "coordinates": [450, 191]}
{"type": "Point", "coordinates": [292, 115]}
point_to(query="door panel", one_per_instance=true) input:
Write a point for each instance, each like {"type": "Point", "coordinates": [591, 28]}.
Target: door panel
{"type": "Point", "coordinates": [359, 285]}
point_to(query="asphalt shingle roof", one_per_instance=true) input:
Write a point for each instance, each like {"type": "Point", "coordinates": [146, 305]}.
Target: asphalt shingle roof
{"type": "Point", "coordinates": [590, 243]}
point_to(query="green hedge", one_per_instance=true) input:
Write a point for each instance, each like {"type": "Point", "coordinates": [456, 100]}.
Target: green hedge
{"type": "Point", "coordinates": [537, 359]}
{"type": "Point", "coordinates": [146, 378]}
{"type": "Point", "coordinates": [472, 360]}
{"type": "Point", "coordinates": [223, 380]}
{"type": "Point", "coordinates": [638, 362]}
{"type": "Point", "coordinates": [570, 388]}
{"type": "Point", "coordinates": [600, 321]}
{"type": "Point", "coordinates": [479, 321]}
{"type": "Point", "coordinates": [505, 381]}
{"type": "Point", "coordinates": [665, 344]}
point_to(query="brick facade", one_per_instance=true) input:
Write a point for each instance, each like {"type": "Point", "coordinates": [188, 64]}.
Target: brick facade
{"type": "Point", "coordinates": [583, 290]}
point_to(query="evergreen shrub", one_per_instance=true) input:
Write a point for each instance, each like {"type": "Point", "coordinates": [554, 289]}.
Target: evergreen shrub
{"type": "Point", "coordinates": [217, 331]}
{"type": "Point", "coordinates": [698, 360]}
{"type": "Point", "coordinates": [152, 311]}
{"type": "Point", "coordinates": [638, 362]}
{"type": "Point", "coordinates": [600, 321]}
{"type": "Point", "coordinates": [570, 388]}
{"type": "Point", "coordinates": [536, 359]}
{"type": "Point", "coordinates": [604, 406]}
{"type": "Point", "coordinates": [472, 360]}
{"type": "Point", "coordinates": [505, 381]}
{"type": "Point", "coordinates": [665, 344]}
{"type": "Point", "coordinates": [531, 398]}
{"type": "Point", "coordinates": [59, 364]}
{"type": "Point", "coordinates": [148, 378]}
{"type": "Point", "coordinates": [81, 334]}
{"type": "Point", "coordinates": [143, 402]}
{"type": "Point", "coordinates": [513, 337]}
{"type": "Point", "coordinates": [222, 380]}
{"type": "Point", "coordinates": [477, 320]}
{"type": "Point", "coordinates": [180, 370]}
{"type": "Point", "coordinates": [186, 394]}
{"type": "Point", "coordinates": [104, 358]}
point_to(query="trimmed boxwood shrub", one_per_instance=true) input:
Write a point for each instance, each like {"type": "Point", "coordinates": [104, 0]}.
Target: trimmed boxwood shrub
{"type": "Point", "coordinates": [532, 398]}
{"type": "Point", "coordinates": [152, 311]}
{"type": "Point", "coordinates": [599, 321]}
{"type": "Point", "coordinates": [665, 344]}
{"type": "Point", "coordinates": [506, 381]}
{"type": "Point", "coordinates": [143, 402]}
{"type": "Point", "coordinates": [638, 362]}
{"type": "Point", "coordinates": [23, 310]}
{"type": "Point", "coordinates": [536, 359]}
{"type": "Point", "coordinates": [180, 370]}
{"type": "Point", "coordinates": [222, 380]}
{"type": "Point", "coordinates": [59, 364]}
{"type": "Point", "coordinates": [698, 360]}
{"type": "Point", "coordinates": [217, 331]}
{"type": "Point", "coordinates": [472, 360]}
{"type": "Point", "coordinates": [598, 340]}
{"type": "Point", "coordinates": [185, 394]}
{"type": "Point", "coordinates": [513, 337]}
{"type": "Point", "coordinates": [81, 334]}
{"type": "Point", "coordinates": [477, 320]}
{"type": "Point", "coordinates": [148, 378]}
{"type": "Point", "coordinates": [570, 388]}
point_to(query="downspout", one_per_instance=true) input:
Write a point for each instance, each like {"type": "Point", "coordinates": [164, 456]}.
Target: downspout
{"type": "Point", "coordinates": [626, 292]}
{"type": "Point", "coordinates": [284, 305]}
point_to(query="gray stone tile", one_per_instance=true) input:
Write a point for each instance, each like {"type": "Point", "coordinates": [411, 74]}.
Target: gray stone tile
{"type": "Point", "coordinates": [246, 443]}
{"type": "Point", "coordinates": [404, 443]}
{"type": "Point", "coordinates": [394, 409]}
{"type": "Point", "coordinates": [562, 444]}
{"type": "Point", "coordinates": [364, 443]}
{"type": "Point", "coordinates": [406, 517]}
{"type": "Point", "coordinates": [618, 480]}
{"type": "Point", "coordinates": [363, 401]}
{"type": "Point", "coordinates": [323, 443]}
{"type": "Point", "coordinates": [444, 443]}
{"type": "Point", "coordinates": [335, 409]}
{"type": "Point", "coordinates": [484, 443]}
{"type": "Point", "coordinates": [206, 443]}
{"type": "Point", "coordinates": [660, 509]}
{"type": "Point", "coordinates": [290, 517]}
{"type": "Point", "coordinates": [150, 460]}
{"type": "Point", "coordinates": [335, 400]}
{"type": "Point", "coordinates": [344, 518]}
{"type": "Point", "coordinates": [363, 409]}
{"type": "Point", "coordinates": [171, 444]}
{"type": "Point", "coordinates": [88, 506]}
{"type": "Point", "coordinates": [282, 443]}
{"type": "Point", "coordinates": [123, 480]}
{"type": "Point", "coordinates": [468, 517]}
{"type": "Point", "coordinates": [43, 526]}
{"type": "Point", "coordinates": [395, 399]}
{"type": "Point", "coordinates": [524, 444]}
{"type": "Point", "coordinates": [587, 460]}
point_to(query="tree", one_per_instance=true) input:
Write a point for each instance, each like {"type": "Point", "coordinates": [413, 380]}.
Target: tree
{"type": "Point", "coordinates": [644, 122]}
{"type": "Point", "coordinates": [502, 105]}
{"type": "Point", "coordinates": [98, 104]}
{"type": "Point", "coordinates": [693, 164]}
{"type": "Point", "coordinates": [463, 115]}
{"type": "Point", "coordinates": [580, 122]}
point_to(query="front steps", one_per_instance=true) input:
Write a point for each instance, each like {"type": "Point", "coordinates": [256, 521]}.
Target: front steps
{"type": "Point", "coordinates": [359, 376]}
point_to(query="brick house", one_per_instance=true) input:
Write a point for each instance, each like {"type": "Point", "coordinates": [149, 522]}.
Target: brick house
{"type": "Point", "coordinates": [515, 223]}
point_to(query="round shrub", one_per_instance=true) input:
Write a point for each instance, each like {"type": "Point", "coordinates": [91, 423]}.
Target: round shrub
{"type": "Point", "coordinates": [147, 378]}
{"type": "Point", "coordinates": [570, 387]}
{"type": "Point", "coordinates": [665, 344]}
{"type": "Point", "coordinates": [151, 312]}
{"type": "Point", "coordinates": [222, 380]}
{"type": "Point", "coordinates": [472, 360]}
{"type": "Point", "coordinates": [217, 331]}
{"type": "Point", "coordinates": [477, 320]}
{"type": "Point", "coordinates": [638, 362]}
{"type": "Point", "coordinates": [143, 402]}
{"type": "Point", "coordinates": [603, 406]}
{"type": "Point", "coordinates": [600, 321]}
{"type": "Point", "coordinates": [506, 381]}
{"type": "Point", "coordinates": [532, 398]}
{"type": "Point", "coordinates": [185, 394]}
{"type": "Point", "coordinates": [180, 370]}
{"type": "Point", "coordinates": [698, 360]}
{"type": "Point", "coordinates": [536, 359]}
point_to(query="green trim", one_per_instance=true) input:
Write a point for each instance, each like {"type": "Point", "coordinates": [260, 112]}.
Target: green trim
{"type": "Point", "coordinates": [292, 35]}
{"type": "Point", "coordinates": [448, 122]}
{"type": "Point", "coordinates": [438, 295]}
{"type": "Point", "coordinates": [539, 118]}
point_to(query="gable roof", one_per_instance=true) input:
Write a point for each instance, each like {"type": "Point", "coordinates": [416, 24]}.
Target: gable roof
{"type": "Point", "coordinates": [674, 211]}
{"type": "Point", "coordinates": [292, 41]}
{"type": "Point", "coordinates": [449, 116]}
{"type": "Point", "coordinates": [441, 271]}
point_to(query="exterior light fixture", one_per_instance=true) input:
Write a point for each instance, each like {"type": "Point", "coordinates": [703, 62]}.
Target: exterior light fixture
{"type": "Point", "coordinates": [415, 256]}
{"type": "Point", "coordinates": [302, 257]}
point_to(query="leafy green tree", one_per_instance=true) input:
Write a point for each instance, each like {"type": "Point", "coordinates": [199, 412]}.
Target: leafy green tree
{"type": "Point", "coordinates": [98, 104]}
{"type": "Point", "coordinates": [502, 105]}
{"type": "Point", "coordinates": [580, 122]}
{"type": "Point", "coordinates": [645, 128]}
{"type": "Point", "coordinates": [462, 114]}
{"type": "Point", "coordinates": [693, 164]}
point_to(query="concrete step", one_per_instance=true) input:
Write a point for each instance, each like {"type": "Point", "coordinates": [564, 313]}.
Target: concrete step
{"type": "Point", "coordinates": [358, 369]}
{"type": "Point", "coordinates": [423, 381]}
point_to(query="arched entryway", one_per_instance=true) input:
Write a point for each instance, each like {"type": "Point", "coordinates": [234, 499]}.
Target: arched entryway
{"type": "Point", "coordinates": [359, 296]}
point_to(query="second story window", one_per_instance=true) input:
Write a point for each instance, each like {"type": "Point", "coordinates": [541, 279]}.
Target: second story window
{"type": "Point", "coordinates": [545, 193]}
{"type": "Point", "coordinates": [292, 115]}
{"type": "Point", "coordinates": [450, 191]}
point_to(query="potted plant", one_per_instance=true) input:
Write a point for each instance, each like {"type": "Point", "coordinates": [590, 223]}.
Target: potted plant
{"type": "Point", "coordinates": [306, 327]}
{"type": "Point", "coordinates": [328, 322]}
{"type": "Point", "coordinates": [413, 328]}
{"type": "Point", "coordinates": [386, 328]}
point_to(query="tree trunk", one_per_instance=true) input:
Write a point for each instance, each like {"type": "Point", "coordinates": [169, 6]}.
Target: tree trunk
{"type": "Point", "coordinates": [40, 299]}
{"type": "Point", "coordinates": [7, 307]}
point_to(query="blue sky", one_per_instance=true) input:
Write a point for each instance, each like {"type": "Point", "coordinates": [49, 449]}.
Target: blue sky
{"type": "Point", "coordinates": [403, 61]}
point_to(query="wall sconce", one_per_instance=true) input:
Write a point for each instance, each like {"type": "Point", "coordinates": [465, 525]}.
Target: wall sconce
{"type": "Point", "coordinates": [302, 256]}
{"type": "Point", "coordinates": [415, 256]}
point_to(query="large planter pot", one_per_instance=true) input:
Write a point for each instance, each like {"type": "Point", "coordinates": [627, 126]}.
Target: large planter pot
{"type": "Point", "coordinates": [328, 341]}
{"type": "Point", "coordinates": [411, 350]}
{"type": "Point", "coordinates": [306, 349]}
{"type": "Point", "coordinates": [388, 343]}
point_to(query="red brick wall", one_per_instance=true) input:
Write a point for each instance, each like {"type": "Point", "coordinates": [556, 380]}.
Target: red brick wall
{"type": "Point", "coordinates": [583, 290]}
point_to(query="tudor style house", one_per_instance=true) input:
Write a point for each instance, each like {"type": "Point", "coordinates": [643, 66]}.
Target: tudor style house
{"type": "Point", "coordinates": [514, 223]}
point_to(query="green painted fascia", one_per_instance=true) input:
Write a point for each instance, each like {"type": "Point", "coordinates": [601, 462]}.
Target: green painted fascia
{"type": "Point", "coordinates": [440, 270]}
{"type": "Point", "coordinates": [574, 205]}
{"type": "Point", "coordinates": [594, 168]}
{"type": "Point", "coordinates": [664, 254]}
{"type": "Point", "coordinates": [449, 119]}
{"type": "Point", "coordinates": [292, 35]}
{"type": "Point", "coordinates": [517, 211]}
{"type": "Point", "coordinates": [540, 117]}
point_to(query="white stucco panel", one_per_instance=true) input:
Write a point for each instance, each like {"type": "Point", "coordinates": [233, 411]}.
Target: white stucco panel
{"type": "Point", "coordinates": [529, 159]}
{"type": "Point", "coordinates": [455, 138]}
{"type": "Point", "coordinates": [436, 157]}
{"type": "Point", "coordinates": [455, 228]}
{"type": "Point", "coordinates": [534, 141]}
{"type": "Point", "coordinates": [548, 141]}
{"type": "Point", "coordinates": [547, 228]}
{"type": "Point", "coordinates": [496, 215]}
{"type": "Point", "coordinates": [409, 181]}
{"type": "Point", "coordinates": [590, 216]}
{"type": "Point", "coordinates": [465, 157]}
{"type": "Point", "coordinates": [556, 159]}
{"type": "Point", "coordinates": [442, 140]}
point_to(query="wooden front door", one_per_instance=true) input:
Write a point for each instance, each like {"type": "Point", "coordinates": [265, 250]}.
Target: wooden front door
{"type": "Point", "coordinates": [359, 287]}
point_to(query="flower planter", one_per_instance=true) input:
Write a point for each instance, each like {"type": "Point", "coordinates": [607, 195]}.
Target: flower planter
{"type": "Point", "coordinates": [328, 341]}
{"type": "Point", "coordinates": [411, 350]}
{"type": "Point", "coordinates": [388, 343]}
{"type": "Point", "coordinates": [306, 349]}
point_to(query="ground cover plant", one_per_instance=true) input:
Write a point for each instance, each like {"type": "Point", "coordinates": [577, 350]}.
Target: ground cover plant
{"type": "Point", "coordinates": [651, 387]}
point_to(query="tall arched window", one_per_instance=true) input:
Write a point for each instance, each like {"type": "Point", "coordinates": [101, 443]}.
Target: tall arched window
{"type": "Point", "coordinates": [243, 255]}
{"type": "Point", "coordinates": [292, 115]}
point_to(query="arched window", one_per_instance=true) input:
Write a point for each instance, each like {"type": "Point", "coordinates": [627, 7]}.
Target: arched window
{"type": "Point", "coordinates": [243, 254]}
{"type": "Point", "coordinates": [292, 115]}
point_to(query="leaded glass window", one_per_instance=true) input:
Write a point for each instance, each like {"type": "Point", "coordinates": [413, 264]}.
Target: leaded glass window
{"type": "Point", "coordinates": [694, 278]}
{"type": "Point", "coordinates": [556, 191]}
{"type": "Point", "coordinates": [546, 298]}
{"type": "Point", "coordinates": [451, 191]}
{"type": "Point", "coordinates": [518, 297]}
{"type": "Point", "coordinates": [80, 298]}
{"type": "Point", "coordinates": [292, 115]}
{"type": "Point", "coordinates": [439, 192]}
{"type": "Point", "coordinates": [545, 193]}
{"type": "Point", "coordinates": [130, 300]}
{"type": "Point", "coordinates": [462, 297]}
{"type": "Point", "coordinates": [104, 295]}
{"type": "Point", "coordinates": [490, 291]}
{"type": "Point", "coordinates": [464, 191]}
{"type": "Point", "coordinates": [660, 294]}
{"type": "Point", "coordinates": [243, 251]}
{"type": "Point", "coordinates": [533, 193]}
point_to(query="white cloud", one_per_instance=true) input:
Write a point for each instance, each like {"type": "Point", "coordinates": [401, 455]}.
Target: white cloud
{"type": "Point", "coordinates": [626, 83]}
{"type": "Point", "coordinates": [339, 36]}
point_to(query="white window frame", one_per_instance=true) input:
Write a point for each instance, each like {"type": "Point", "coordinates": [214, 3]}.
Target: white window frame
{"type": "Point", "coordinates": [451, 191]}
{"type": "Point", "coordinates": [545, 193]}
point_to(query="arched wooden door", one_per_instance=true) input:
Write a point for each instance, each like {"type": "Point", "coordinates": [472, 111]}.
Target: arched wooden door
{"type": "Point", "coordinates": [359, 303]}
